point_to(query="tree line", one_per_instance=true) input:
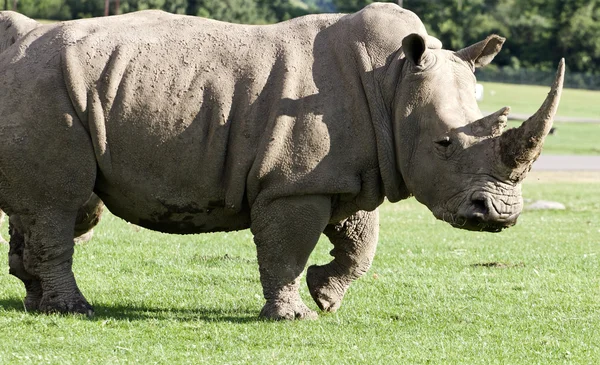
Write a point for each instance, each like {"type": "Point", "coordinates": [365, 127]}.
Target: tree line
{"type": "Point", "coordinates": [539, 32]}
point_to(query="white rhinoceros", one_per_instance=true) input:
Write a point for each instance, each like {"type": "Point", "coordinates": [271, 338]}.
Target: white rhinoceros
{"type": "Point", "coordinates": [189, 125]}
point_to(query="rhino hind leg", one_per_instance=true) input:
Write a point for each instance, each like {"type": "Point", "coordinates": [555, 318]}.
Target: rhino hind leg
{"type": "Point", "coordinates": [354, 241]}
{"type": "Point", "coordinates": [285, 232]}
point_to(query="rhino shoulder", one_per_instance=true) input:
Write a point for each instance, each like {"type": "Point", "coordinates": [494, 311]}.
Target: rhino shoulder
{"type": "Point", "coordinates": [380, 28]}
{"type": "Point", "coordinates": [388, 19]}
{"type": "Point", "coordinates": [14, 26]}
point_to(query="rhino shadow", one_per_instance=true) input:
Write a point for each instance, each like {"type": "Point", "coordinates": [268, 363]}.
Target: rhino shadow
{"type": "Point", "coordinates": [12, 304]}
{"type": "Point", "coordinates": [142, 313]}
{"type": "Point", "coordinates": [105, 311]}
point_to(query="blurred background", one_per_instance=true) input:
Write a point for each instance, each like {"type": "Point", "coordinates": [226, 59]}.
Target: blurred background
{"type": "Point", "coordinates": [538, 32]}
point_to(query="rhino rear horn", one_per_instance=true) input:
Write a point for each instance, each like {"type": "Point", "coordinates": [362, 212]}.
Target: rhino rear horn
{"type": "Point", "coordinates": [520, 147]}
{"type": "Point", "coordinates": [491, 125]}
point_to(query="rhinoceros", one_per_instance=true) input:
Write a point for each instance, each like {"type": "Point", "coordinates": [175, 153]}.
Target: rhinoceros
{"type": "Point", "coordinates": [187, 125]}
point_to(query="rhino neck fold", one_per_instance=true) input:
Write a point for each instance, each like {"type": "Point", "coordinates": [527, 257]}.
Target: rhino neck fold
{"type": "Point", "coordinates": [380, 100]}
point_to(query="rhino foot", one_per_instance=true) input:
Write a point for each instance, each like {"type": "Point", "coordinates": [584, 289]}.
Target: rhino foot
{"type": "Point", "coordinates": [327, 290]}
{"type": "Point", "coordinates": [279, 310]}
{"type": "Point", "coordinates": [73, 303]}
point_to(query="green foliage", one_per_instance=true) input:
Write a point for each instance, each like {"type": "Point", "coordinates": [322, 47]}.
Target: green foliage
{"type": "Point", "coordinates": [84, 8]}
{"type": "Point", "coordinates": [350, 6]}
{"type": "Point", "coordinates": [46, 9]}
{"type": "Point", "coordinates": [235, 11]}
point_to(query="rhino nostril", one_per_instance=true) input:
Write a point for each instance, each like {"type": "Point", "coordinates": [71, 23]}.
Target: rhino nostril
{"type": "Point", "coordinates": [480, 207]}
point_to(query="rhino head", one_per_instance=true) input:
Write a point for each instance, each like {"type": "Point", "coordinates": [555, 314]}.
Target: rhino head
{"type": "Point", "coordinates": [452, 158]}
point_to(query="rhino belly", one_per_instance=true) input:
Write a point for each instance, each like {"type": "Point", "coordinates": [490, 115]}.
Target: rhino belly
{"type": "Point", "coordinates": [177, 214]}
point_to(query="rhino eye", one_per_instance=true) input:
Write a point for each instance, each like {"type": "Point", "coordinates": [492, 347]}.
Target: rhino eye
{"type": "Point", "coordinates": [444, 142]}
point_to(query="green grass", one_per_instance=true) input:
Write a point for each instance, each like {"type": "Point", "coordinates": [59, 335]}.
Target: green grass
{"type": "Point", "coordinates": [528, 295]}
{"type": "Point", "coordinates": [527, 99]}
{"type": "Point", "coordinates": [571, 139]}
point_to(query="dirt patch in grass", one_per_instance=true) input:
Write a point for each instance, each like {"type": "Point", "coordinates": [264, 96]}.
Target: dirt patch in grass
{"type": "Point", "coordinates": [498, 265]}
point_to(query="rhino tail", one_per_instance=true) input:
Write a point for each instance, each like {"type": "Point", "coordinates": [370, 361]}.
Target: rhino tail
{"type": "Point", "coordinates": [13, 26]}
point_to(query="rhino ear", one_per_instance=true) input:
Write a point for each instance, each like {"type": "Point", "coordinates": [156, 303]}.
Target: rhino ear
{"type": "Point", "coordinates": [413, 46]}
{"type": "Point", "coordinates": [482, 53]}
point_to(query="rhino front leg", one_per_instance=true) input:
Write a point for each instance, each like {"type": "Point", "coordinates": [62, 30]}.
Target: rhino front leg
{"type": "Point", "coordinates": [41, 256]}
{"type": "Point", "coordinates": [286, 231]}
{"type": "Point", "coordinates": [354, 241]}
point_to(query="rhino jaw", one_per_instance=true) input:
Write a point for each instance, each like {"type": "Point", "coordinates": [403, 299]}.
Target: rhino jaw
{"type": "Point", "coordinates": [520, 147]}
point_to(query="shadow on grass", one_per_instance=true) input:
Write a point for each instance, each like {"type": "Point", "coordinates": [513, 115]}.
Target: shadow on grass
{"type": "Point", "coordinates": [142, 313]}
{"type": "Point", "coordinates": [12, 304]}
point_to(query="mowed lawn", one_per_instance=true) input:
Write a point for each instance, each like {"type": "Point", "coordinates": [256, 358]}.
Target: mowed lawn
{"type": "Point", "coordinates": [569, 138]}
{"type": "Point", "coordinates": [527, 99]}
{"type": "Point", "coordinates": [528, 295]}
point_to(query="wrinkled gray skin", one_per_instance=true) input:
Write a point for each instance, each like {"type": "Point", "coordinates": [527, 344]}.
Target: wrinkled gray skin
{"type": "Point", "coordinates": [187, 125]}
{"type": "Point", "coordinates": [14, 26]}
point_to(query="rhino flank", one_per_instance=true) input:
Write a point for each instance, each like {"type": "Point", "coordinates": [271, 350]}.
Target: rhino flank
{"type": "Point", "coordinates": [187, 125]}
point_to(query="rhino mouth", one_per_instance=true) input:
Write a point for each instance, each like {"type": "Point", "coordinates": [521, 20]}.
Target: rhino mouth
{"type": "Point", "coordinates": [484, 213]}
{"type": "Point", "coordinates": [475, 224]}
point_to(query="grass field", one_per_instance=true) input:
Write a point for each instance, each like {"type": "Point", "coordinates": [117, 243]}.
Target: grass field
{"type": "Point", "coordinates": [526, 99]}
{"type": "Point", "coordinates": [570, 138]}
{"type": "Point", "coordinates": [528, 295]}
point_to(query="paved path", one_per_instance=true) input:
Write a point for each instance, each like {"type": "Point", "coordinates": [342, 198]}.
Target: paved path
{"type": "Point", "coordinates": [567, 163]}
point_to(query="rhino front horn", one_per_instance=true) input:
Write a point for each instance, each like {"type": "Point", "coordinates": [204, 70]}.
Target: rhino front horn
{"type": "Point", "coordinates": [520, 147]}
